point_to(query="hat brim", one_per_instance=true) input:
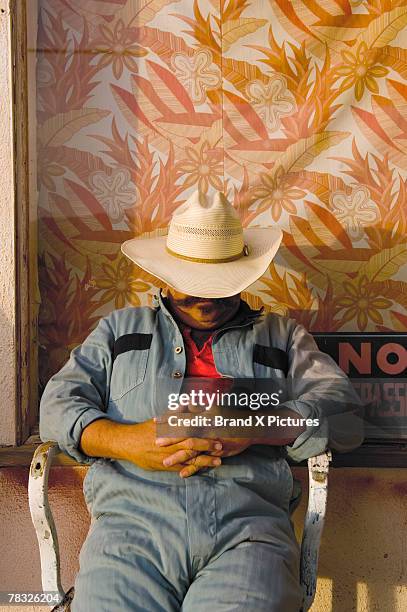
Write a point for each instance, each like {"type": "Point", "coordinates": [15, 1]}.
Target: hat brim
{"type": "Point", "coordinates": [206, 280]}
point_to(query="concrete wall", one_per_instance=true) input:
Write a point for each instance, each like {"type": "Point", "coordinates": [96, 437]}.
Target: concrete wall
{"type": "Point", "coordinates": [363, 553]}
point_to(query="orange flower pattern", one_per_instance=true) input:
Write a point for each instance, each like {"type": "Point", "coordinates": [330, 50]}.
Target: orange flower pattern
{"type": "Point", "coordinates": [362, 302]}
{"type": "Point", "coordinates": [203, 168]}
{"type": "Point", "coordinates": [355, 211]}
{"type": "Point", "coordinates": [196, 73]}
{"type": "Point", "coordinates": [271, 101]}
{"type": "Point", "coordinates": [114, 192]}
{"type": "Point", "coordinates": [116, 46]}
{"type": "Point", "coordinates": [120, 284]}
{"type": "Point", "coordinates": [360, 70]}
{"type": "Point", "coordinates": [298, 115]}
{"type": "Point", "coordinates": [276, 195]}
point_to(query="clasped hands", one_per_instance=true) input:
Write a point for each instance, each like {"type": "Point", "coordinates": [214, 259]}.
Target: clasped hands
{"type": "Point", "coordinates": [186, 455]}
{"type": "Point", "coordinates": [190, 455]}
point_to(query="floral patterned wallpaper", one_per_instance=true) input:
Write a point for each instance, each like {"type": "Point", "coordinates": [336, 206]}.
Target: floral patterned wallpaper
{"type": "Point", "coordinates": [297, 110]}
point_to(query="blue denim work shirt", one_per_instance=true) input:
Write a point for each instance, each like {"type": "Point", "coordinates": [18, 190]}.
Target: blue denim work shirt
{"type": "Point", "coordinates": [115, 373]}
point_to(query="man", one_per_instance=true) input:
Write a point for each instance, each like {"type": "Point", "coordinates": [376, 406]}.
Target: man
{"type": "Point", "coordinates": [193, 522]}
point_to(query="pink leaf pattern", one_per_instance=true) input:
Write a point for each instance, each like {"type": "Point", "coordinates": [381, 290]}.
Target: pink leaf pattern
{"type": "Point", "coordinates": [299, 115]}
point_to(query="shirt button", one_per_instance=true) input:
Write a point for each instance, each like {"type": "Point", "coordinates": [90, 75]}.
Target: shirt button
{"type": "Point", "coordinates": [178, 349]}
{"type": "Point", "coordinates": [177, 374]}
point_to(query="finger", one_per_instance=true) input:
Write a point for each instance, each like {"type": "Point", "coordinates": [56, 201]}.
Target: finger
{"type": "Point", "coordinates": [217, 453]}
{"type": "Point", "coordinates": [180, 456]}
{"type": "Point", "coordinates": [168, 441]}
{"type": "Point", "coordinates": [197, 464]}
{"type": "Point", "coordinates": [188, 471]}
{"type": "Point", "coordinates": [204, 461]}
{"type": "Point", "coordinates": [201, 444]}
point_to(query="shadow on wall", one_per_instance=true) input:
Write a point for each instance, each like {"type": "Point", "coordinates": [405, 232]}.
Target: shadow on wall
{"type": "Point", "coordinates": [362, 552]}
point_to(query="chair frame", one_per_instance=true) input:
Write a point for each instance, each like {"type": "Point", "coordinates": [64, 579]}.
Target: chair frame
{"type": "Point", "coordinates": [44, 525]}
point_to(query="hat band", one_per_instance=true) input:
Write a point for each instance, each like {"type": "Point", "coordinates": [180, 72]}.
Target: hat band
{"type": "Point", "coordinates": [242, 253]}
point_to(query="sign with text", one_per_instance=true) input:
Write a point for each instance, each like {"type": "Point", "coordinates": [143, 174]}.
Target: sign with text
{"type": "Point", "coordinates": [377, 365]}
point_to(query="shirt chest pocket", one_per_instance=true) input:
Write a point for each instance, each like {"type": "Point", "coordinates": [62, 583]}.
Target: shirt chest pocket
{"type": "Point", "coordinates": [130, 356]}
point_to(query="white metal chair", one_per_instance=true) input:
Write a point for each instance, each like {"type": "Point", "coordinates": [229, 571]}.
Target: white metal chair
{"type": "Point", "coordinates": [48, 540]}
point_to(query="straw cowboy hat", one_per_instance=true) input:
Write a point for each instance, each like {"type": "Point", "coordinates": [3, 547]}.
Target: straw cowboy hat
{"type": "Point", "coordinates": [205, 252]}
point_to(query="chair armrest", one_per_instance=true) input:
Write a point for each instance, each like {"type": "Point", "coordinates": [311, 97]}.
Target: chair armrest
{"type": "Point", "coordinates": [42, 517]}
{"type": "Point", "coordinates": [318, 468]}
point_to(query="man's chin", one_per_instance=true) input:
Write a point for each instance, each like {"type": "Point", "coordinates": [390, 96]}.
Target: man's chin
{"type": "Point", "coordinates": [207, 325]}
{"type": "Point", "coordinates": [206, 322]}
